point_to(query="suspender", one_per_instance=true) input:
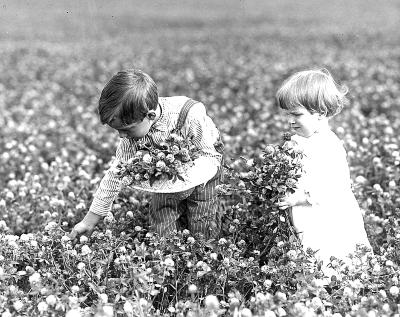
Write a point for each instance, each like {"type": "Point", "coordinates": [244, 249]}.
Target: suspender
{"type": "Point", "coordinates": [183, 114]}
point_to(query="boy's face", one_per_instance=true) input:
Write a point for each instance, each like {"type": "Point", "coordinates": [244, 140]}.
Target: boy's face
{"type": "Point", "coordinates": [302, 122]}
{"type": "Point", "coordinates": [136, 130]}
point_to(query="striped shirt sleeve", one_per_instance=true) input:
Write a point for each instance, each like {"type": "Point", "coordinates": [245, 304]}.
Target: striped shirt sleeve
{"type": "Point", "coordinates": [110, 184]}
{"type": "Point", "coordinates": [203, 130]}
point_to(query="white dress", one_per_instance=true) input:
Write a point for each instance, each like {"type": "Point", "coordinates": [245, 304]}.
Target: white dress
{"type": "Point", "coordinates": [333, 223]}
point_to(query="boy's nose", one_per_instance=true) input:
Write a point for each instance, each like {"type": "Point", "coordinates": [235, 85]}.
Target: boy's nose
{"type": "Point", "coordinates": [122, 134]}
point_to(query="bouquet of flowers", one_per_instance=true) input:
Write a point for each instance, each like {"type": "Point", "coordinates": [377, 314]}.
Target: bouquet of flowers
{"type": "Point", "coordinates": [277, 174]}
{"type": "Point", "coordinates": [263, 182]}
{"type": "Point", "coordinates": [152, 163]}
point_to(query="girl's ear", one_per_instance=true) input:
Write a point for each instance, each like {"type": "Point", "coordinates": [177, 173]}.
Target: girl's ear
{"type": "Point", "coordinates": [151, 114]}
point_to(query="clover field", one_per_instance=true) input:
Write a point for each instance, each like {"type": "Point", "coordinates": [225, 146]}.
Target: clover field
{"type": "Point", "coordinates": [232, 56]}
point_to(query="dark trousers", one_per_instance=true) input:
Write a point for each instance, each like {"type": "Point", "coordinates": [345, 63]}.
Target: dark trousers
{"type": "Point", "coordinates": [199, 205]}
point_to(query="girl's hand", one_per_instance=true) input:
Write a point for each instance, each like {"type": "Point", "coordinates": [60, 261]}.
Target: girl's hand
{"type": "Point", "coordinates": [295, 199]}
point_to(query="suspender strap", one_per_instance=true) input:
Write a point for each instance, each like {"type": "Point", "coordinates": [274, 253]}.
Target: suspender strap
{"type": "Point", "coordinates": [183, 114]}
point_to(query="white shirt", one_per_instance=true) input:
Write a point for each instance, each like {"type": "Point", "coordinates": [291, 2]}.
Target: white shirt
{"type": "Point", "coordinates": [197, 125]}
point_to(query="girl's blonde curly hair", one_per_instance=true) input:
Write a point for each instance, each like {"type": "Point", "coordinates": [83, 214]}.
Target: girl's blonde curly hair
{"type": "Point", "coordinates": [314, 90]}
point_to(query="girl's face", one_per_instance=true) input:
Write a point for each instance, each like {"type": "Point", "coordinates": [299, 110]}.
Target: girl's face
{"type": "Point", "coordinates": [302, 122]}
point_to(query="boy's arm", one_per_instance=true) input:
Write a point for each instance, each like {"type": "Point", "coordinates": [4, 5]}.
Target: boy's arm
{"type": "Point", "coordinates": [105, 193]}
{"type": "Point", "coordinates": [110, 184]}
{"type": "Point", "coordinates": [203, 131]}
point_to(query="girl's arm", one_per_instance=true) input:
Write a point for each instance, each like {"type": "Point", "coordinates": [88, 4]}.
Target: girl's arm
{"type": "Point", "coordinates": [298, 198]}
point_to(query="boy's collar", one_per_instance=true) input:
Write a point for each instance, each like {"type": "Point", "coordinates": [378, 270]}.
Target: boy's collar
{"type": "Point", "coordinates": [161, 124]}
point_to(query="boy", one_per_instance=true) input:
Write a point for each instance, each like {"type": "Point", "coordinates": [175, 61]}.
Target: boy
{"type": "Point", "coordinates": [130, 104]}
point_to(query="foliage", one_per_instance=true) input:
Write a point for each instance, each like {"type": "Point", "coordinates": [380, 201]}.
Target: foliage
{"type": "Point", "coordinates": [168, 161]}
{"type": "Point", "coordinates": [53, 153]}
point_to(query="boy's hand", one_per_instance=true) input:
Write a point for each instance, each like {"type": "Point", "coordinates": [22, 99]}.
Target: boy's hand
{"type": "Point", "coordinates": [295, 199]}
{"type": "Point", "coordinates": [86, 226]}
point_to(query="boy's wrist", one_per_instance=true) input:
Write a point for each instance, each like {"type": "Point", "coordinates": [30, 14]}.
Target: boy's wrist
{"type": "Point", "coordinates": [91, 219]}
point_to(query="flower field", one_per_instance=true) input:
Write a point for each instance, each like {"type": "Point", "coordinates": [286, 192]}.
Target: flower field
{"type": "Point", "coordinates": [232, 57]}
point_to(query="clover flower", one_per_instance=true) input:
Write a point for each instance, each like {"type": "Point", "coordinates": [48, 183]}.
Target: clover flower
{"type": "Point", "coordinates": [147, 158]}
{"type": "Point", "coordinates": [192, 289]}
{"type": "Point", "coordinates": [51, 300]}
{"type": "Point", "coordinates": [128, 308]}
{"type": "Point", "coordinates": [18, 305]}
{"type": "Point", "coordinates": [75, 312]}
{"type": "Point", "coordinates": [35, 278]}
{"type": "Point", "coordinates": [394, 290]}
{"type": "Point", "coordinates": [169, 262]}
{"type": "Point", "coordinates": [157, 162]}
{"type": "Point", "coordinates": [211, 302]}
{"type": "Point", "coordinates": [6, 313]}
{"type": "Point", "coordinates": [86, 250]}
{"type": "Point", "coordinates": [50, 226]}
{"type": "Point", "coordinates": [42, 307]}
{"type": "Point", "coordinates": [81, 266]}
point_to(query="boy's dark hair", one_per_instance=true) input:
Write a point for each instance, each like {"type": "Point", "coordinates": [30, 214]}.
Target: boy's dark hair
{"type": "Point", "coordinates": [129, 95]}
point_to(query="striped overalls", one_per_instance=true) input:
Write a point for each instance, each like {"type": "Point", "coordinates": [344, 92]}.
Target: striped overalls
{"type": "Point", "coordinates": [195, 209]}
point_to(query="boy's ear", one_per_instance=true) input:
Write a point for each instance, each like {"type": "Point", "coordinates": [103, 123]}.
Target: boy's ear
{"type": "Point", "coordinates": [151, 114]}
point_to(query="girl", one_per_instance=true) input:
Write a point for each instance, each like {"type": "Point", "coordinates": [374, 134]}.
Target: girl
{"type": "Point", "coordinates": [325, 211]}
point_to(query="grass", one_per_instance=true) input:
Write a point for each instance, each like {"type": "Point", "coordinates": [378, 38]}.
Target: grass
{"type": "Point", "coordinates": [83, 21]}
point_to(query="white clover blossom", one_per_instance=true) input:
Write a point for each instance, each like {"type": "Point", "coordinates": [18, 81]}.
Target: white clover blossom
{"type": "Point", "coordinates": [169, 262]}
{"type": "Point", "coordinates": [394, 290]}
{"type": "Point", "coordinates": [147, 158]}
{"type": "Point", "coordinates": [51, 300]}
{"type": "Point", "coordinates": [128, 308]}
{"type": "Point", "coordinates": [6, 313]}
{"type": "Point", "coordinates": [104, 298]}
{"type": "Point", "coordinates": [10, 195]}
{"type": "Point", "coordinates": [73, 313]}
{"type": "Point", "coordinates": [3, 225]}
{"type": "Point", "coordinates": [86, 250]}
{"type": "Point", "coordinates": [75, 289]}
{"type": "Point", "coordinates": [222, 241]}
{"type": "Point", "coordinates": [81, 266]}
{"type": "Point", "coordinates": [65, 239]}
{"type": "Point", "coordinates": [80, 206]}
{"type": "Point", "coordinates": [83, 239]}
{"type": "Point", "coordinates": [170, 158]}
{"type": "Point", "coordinates": [50, 226]}
{"type": "Point", "coordinates": [108, 311]}
{"type": "Point", "coordinates": [18, 305]}
{"type": "Point", "coordinates": [35, 278]}
{"type": "Point", "coordinates": [160, 165]}
{"type": "Point", "coordinates": [211, 302]}
{"type": "Point", "coordinates": [42, 307]}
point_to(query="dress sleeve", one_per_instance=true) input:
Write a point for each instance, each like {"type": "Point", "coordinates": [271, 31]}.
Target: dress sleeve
{"type": "Point", "coordinates": [203, 131]}
{"type": "Point", "coordinates": [110, 184]}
